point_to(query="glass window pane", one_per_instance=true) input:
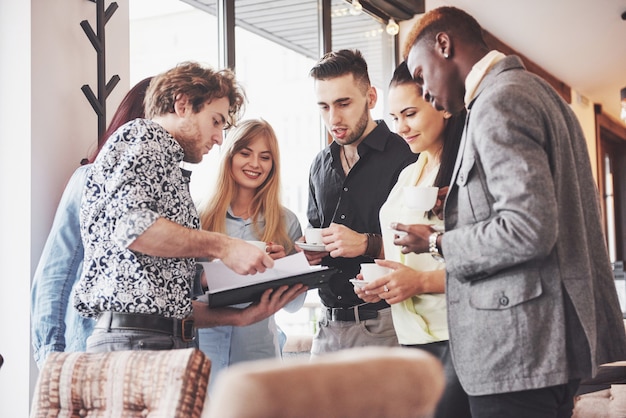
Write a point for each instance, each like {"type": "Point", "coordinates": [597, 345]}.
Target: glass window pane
{"type": "Point", "coordinates": [277, 43]}
{"type": "Point", "coordinates": [276, 46]}
{"type": "Point", "coordinates": [164, 33]}
{"type": "Point", "coordinates": [609, 203]}
{"type": "Point", "coordinates": [368, 35]}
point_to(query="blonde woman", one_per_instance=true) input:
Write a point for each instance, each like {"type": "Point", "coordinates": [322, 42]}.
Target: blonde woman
{"type": "Point", "coordinates": [246, 204]}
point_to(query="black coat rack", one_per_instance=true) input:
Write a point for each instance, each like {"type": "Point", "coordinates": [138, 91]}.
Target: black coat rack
{"type": "Point", "coordinates": [98, 41]}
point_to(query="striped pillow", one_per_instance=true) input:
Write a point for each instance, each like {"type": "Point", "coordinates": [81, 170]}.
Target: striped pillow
{"type": "Point", "coordinates": [170, 383]}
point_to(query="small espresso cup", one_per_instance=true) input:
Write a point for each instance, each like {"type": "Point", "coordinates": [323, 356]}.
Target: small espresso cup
{"type": "Point", "coordinates": [313, 235]}
{"type": "Point", "coordinates": [372, 271]}
{"type": "Point", "coordinates": [259, 244]}
{"type": "Point", "coordinates": [422, 198]}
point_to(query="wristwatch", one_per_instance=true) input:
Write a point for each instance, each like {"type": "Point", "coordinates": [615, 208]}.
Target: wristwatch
{"type": "Point", "coordinates": [432, 246]}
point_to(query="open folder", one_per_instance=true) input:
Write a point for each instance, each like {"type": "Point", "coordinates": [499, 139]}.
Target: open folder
{"type": "Point", "coordinates": [229, 288]}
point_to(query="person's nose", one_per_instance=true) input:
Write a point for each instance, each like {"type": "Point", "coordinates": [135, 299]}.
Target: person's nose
{"type": "Point", "coordinates": [218, 137]}
{"type": "Point", "coordinates": [254, 161]}
{"type": "Point", "coordinates": [334, 117]}
{"type": "Point", "coordinates": [402, 126]}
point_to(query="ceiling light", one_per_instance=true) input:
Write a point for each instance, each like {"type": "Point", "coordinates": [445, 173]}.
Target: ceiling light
{"type": "Point", "coordinates": [356, 8]}
{"type": "Point", "coordinates": [392, 27]}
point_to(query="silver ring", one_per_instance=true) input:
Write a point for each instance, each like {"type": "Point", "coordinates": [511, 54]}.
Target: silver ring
{"type": "Point", "coordinates": [386, 289]}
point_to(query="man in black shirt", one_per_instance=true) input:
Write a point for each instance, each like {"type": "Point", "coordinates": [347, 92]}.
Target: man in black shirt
{"type": "Point", "coordinates": [348, 183]}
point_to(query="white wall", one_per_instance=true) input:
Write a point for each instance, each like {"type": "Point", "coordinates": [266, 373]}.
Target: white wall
{"type": "Point", "coordinates": [46, 127]}
{"type": "Point", "coordinates": [15, 203]}
{"type": "Point", "coordinates": [64, 125]}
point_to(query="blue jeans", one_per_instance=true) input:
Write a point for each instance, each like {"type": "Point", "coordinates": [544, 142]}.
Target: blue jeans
{"type": "Point", "coordinates": [102, 340]}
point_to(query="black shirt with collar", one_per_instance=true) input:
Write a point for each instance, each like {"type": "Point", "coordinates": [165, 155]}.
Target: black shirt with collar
{"type": "Point", "coordinates": [354, 200]}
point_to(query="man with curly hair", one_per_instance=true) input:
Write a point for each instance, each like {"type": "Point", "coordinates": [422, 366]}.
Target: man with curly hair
{"type": "Point", "coordinates": [141, 230]}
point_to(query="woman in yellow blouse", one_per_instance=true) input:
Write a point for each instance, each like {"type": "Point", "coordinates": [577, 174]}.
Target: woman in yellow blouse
{"type": "Point", "coordinates": [416, 285]}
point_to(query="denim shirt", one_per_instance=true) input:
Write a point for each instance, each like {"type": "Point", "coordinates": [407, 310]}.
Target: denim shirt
{"type": "Point", "coordinates": [227, 345]}
{"type": "Point", "coordinates": [54, 326]}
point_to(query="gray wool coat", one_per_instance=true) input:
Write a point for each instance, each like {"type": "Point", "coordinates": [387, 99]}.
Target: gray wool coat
{"type": "Point", "coordinates": [531, 297]}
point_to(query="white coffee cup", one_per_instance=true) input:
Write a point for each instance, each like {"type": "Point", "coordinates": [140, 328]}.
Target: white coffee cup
{"type": "Point", "coordinates": [313, 235]}
{"type": "Point", "coordinates": [422, 198]}
{"type": "Point", "coordinates": [372, 271]}
{"type": "Point", "coordinates": [259, 244]}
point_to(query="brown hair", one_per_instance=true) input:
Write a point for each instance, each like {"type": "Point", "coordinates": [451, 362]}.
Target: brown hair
{"type": "Point", "coordinates": [199, 84]}
{"type": "Point", "coordinates": [339, 63]}
{"type": "Point", "coordinates": [443, 19]}
{"type": "Point", "coordinates": [266, 200]}
{"type": "Point", "coordinates": [452, 131]}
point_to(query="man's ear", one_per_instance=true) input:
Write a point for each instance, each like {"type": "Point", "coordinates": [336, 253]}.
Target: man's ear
{"type": "Point", "coordinates": [372, 97]}
{"type": "Point", "coordinates": [444, 45]}
{"type": "Point", "coordinates": [181, 105]}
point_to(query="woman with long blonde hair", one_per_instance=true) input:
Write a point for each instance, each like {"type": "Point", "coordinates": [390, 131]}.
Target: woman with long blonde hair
{"type": "Point", "coordinates": [246, 204]}
{"type": "Point", "coordinates": [251, 195]}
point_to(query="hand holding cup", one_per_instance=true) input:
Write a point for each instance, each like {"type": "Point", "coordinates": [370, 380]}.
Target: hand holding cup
{"type": "Point", "coordinates": [313, 236]}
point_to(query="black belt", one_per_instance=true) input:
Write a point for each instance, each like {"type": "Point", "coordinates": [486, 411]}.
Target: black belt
{"type": "Point", "coordinates": [365, 311]}
{"type": "Point", "coordinates": [182, 328]}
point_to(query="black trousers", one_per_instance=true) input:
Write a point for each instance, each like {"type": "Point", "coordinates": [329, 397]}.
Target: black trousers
{"type": "Point", "coordinates": [550, 402]}
{"type": "Point", "coordinates": [454, 402]}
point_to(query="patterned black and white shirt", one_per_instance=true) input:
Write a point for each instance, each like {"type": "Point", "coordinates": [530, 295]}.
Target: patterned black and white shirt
{"type": "Point", "coordinates": [135, 180]}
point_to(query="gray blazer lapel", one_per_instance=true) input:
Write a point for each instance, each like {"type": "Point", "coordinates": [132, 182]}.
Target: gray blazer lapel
{"type": "Point", "coordinates": [459, 157]}
{"type": "Point", "coordinates": [506, 64]}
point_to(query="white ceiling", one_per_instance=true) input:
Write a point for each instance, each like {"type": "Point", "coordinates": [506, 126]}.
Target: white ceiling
{"type": "Point", "coordinates": [581, 42]}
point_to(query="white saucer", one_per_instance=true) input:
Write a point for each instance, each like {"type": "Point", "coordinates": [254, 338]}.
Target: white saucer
{"type": "Point", "coordinates": [358, 283]}
{"type": "Point", "coordinates": [438, 228]}
{"type": "Point", "coordinates": [311, 247]}
{"type": "Point", "coordinates": [399, 233]}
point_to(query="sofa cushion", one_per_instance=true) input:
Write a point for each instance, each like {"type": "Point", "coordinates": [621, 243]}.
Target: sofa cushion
{"type": "Point", "coordinates": [170, 383]}
{"type": "Point", "coordinates": [354, 383]}
{"type": "Point", "coordinates": [607, 403]}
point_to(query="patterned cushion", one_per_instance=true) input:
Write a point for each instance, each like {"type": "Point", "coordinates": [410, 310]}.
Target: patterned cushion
{"type": "Point", "coordinates": [170, 383]}
{"type": "Point", "coordinates": [607, 403]}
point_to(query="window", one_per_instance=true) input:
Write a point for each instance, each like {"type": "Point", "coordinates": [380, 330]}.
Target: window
{"type": "Point", "coordinates": [368, 35]}
{"type": "Point", "coordinates": [276, 44]}
{"type": "Point", "coordinates": [274, 69]}
{"type": "Point", "coordinates": [162, 34]}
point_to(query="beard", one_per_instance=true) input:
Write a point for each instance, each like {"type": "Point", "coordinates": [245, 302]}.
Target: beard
{"type": "Point", "coordinates": [358, 130]}
{"type": "Point", "coordinates": [189, 139]}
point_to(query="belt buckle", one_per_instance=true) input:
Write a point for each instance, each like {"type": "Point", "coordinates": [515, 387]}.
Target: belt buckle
{"type": "Point", "coordinates": [186, 329]}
